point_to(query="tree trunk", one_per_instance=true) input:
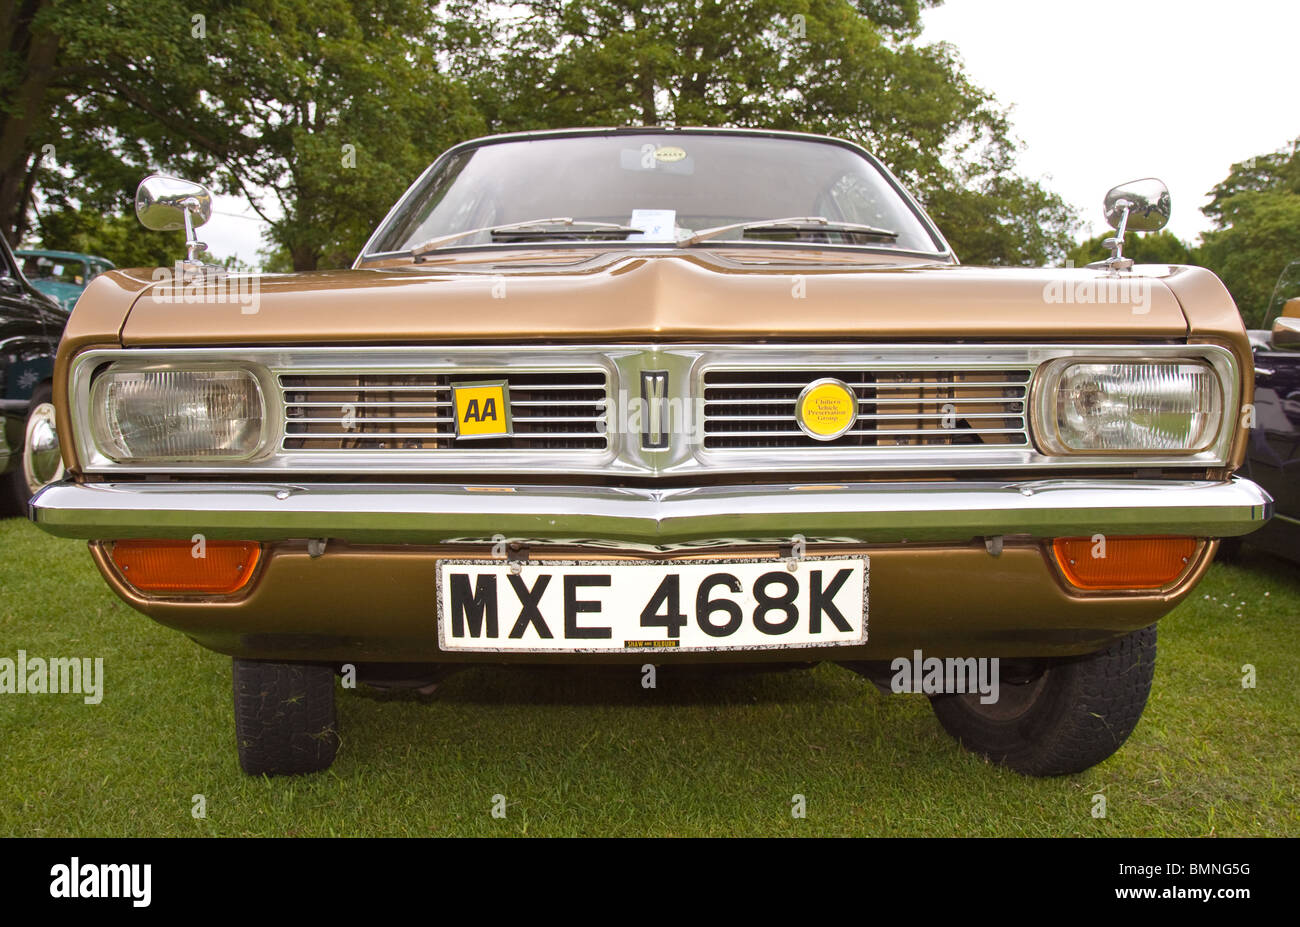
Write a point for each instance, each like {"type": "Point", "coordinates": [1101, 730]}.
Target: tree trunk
{"type": "Point", "coordinates": [304, 257]}
{"type": "Point", "coordinates": [24, 114]}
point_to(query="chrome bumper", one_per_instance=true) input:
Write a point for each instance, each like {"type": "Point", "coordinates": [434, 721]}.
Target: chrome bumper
{"type": "Point", "coordinates": [651, 519]}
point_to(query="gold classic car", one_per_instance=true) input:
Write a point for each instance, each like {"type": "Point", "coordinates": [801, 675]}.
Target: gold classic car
{"type": "Point", "coordinates": [648, 396]}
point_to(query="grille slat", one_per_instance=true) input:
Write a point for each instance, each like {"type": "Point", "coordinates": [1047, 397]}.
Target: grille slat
{"type": "Point", "coordinates": [369, 403]}
{"type": "Point", "coordinates": [900, 416]}
{"type": "Point", "coordinates": [954, 383]}
{"type": "Point", "coordinates": [861, 431]}
{"type": "Point", "coordinates": [369, 410]}
{"type": "Point", "coordinates": [754, 409]}
{"type": "Point", "coordinates": [878, 401]}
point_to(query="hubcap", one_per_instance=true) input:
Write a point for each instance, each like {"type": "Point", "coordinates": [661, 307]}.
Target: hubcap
{"type": "Point", "coordinates": [42, 462]}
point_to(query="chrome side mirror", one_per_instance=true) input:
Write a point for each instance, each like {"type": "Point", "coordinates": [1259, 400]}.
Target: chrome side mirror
{"type": "Point", "coordinates": [168, 204]}
{"type": "Point", "coordinates": [1139, 206]}
{"type": "Point", "coordinates": [1286, 332]}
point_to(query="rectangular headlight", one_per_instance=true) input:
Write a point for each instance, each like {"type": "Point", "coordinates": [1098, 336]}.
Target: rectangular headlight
{"type": "Point", "coordinates": [1129, 407]}
{"type": "Point", "coordinates": [167, 414]}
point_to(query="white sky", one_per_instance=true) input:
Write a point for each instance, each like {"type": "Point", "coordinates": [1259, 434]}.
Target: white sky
{"type": "Point", "coordinates": [1100, 94]}
{"type": "Point", "coordinates": [1105, 93]}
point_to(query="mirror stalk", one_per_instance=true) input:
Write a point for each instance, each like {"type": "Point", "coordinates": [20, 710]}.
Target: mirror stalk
{"type": "Point", "coordinates": [1117, 262]}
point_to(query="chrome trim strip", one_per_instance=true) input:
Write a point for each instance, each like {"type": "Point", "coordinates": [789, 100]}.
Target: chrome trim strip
{"type": "Point", "coordinates": [651, 519]}
{"type": "Point", "coordinates": [623, 364]}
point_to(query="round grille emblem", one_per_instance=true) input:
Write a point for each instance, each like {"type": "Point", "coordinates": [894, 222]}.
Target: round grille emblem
{"type": "Point", "coordinates": [826, 409]}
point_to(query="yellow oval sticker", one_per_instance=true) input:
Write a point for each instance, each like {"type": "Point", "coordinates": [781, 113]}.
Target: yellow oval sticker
{"type": "Point", "coordinates": [826, 409]}
{"type": "Point", "coordinates": [669, 153]}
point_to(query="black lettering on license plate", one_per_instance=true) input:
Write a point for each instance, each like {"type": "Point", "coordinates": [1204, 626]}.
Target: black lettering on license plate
{"type": "Point", "coordinates": [699, 605]}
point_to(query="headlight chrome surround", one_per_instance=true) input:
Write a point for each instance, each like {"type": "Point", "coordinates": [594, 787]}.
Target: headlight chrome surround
{"type": "Point", "coordinates": [173, 413]}
{"type": "Point", "coordinates": [1128, 421]}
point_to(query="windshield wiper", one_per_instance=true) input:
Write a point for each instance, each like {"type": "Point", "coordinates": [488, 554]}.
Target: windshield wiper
{"type": "Point", "coordinates": [594, 231]}
{"type": "Point", "coordinates": [530, 228]}
{"type": "Point", "coordinates": [796, 224]}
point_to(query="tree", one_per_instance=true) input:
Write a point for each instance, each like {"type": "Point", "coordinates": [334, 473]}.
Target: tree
{"type": "Point", "coordinates": [331, 107]}
{"type": "Point", "coordinates": [93, 96]}
{"type": "Point", "coordinates": [340, 106]}
{"type": "Point", "coordinates": [27, 58]}
{"type": "Point", "coordinates": [814, 65]}
{"type": "Point", "coordinates": [1256, 210]}
{"type": "Point", "coordinates": [1143, 247]}
{"type": "Point", "coordinates": [121, 239]}
{"type": "Point", "coordinates": [1250, 254]}
{"type": "Point", "coordinates": [1001, 219]}
{"type": "Point", "coordinates": [1275, 172]}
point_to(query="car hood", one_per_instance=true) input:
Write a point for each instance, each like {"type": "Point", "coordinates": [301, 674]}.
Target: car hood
{"type": "Point", "coordinates": [669, 296]}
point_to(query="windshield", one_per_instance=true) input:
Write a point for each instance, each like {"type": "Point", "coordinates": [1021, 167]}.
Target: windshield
{"type": "Point", "coordinates": [667, 185]}
{"type": "Point", "coordinates": [1286, 295]}
{"type": "Point", "coordinates": [43, 269]}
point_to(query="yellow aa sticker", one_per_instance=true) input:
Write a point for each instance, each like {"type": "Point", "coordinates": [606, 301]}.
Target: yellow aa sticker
{"type": "Point", "coordinates": [482, 409]}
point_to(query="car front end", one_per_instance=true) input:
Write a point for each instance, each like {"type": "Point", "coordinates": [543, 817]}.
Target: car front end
{"type": "Point", "coordinates": [550, 445]}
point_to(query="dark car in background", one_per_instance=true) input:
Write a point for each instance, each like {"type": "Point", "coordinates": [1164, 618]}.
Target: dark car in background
{"type": "Point", "coordinates": [31, 324]}
{"type": "Point", "coordinates": [61, 275]}
{"type": "Point", "coordinates": [1273, 458]}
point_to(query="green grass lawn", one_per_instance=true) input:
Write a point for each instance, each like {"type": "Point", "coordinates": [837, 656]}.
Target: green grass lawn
{"type": "Point", "coordinates": [578, 752]}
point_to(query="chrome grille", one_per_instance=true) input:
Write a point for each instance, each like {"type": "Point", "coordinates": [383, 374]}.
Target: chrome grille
{"type": "Point", "coordinates": [730, 409]}
{"type": "Point", "coordinates": [755, 408]}
{"type": "Point", "coordinates": [367, 411]}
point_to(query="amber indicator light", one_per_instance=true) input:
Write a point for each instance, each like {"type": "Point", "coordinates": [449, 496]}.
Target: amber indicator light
{"type": "Point", "coordinates": [1124, 562]}
{"type": "Point", "coordinates": [184, 567]}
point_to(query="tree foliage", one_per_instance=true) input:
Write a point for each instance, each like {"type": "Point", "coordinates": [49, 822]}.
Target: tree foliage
{"type": "Point", "coordinates": [330, 107]}
{"type": "Point", "coordinates": [813, 65]}
{"type": "Point", "coordinates": [1143, 247]}
{"type": "Point", "coordinates": [94, 96]}
{"type": "Point", "coordinates": [258, 97]}
{"type": "Point", "coordinates": [118, 238]}
{"type": "Point", "coordinates": [341, 105]}
{"type": "Point", "coordinates": [1256, 210]}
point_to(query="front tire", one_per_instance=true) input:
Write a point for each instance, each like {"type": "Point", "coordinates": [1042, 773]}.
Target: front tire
{"type": "Point", "coordinates": [285, 723]}
{"type": "Point", "coordinates": [1230, 550]}
{"type": "Point", "coordinates": [1071, 717]}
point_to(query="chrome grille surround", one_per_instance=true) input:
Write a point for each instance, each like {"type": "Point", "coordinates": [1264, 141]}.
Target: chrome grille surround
{"type": "Point", "coordinates": [748, 409]}
{"type": "Point", "coordinates": [990, 389]}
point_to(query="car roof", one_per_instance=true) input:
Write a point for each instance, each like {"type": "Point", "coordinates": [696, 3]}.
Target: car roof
{"type": "Point", "coordinates": [579, 131]}
{"type": "Point", "coordinates": [62, 255]}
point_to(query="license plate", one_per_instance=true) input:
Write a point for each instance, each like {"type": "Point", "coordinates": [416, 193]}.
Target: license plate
{"type": "Point", "coordinates": [603, 606]}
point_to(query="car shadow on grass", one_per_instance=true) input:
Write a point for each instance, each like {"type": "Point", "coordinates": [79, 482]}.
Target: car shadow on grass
{"type": "Point", "coordinates": [725, 719]}
{"type": "Point", "coordinates": [626, 686]}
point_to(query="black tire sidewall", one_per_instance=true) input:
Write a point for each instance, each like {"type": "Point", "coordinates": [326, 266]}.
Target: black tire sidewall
{"type": "Point", "coordinates": [1085, 712]}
